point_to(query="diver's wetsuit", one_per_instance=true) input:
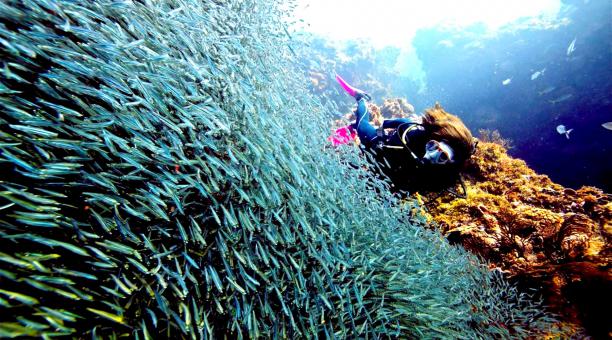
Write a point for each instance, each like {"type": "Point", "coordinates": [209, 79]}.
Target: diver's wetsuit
{"type": "Point", "coordinates": [408, 135]}
{"type": "Point", "coordinates": [398, 153]}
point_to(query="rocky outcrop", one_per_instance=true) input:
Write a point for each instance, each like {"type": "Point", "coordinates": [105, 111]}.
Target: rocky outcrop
{"type": "Point", "coordinates": [539, 233]}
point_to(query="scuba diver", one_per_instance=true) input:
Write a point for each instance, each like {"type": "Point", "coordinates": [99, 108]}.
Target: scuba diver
{"type": "Point", "coordinates": [416, 153]}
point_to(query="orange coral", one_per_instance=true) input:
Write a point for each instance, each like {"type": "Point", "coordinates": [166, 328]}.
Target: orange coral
{"type": "Point", "coordinates": [396, 108]}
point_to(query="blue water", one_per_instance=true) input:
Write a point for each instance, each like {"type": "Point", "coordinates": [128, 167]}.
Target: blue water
{"type": "Point", "coordinates": [465, 70]}
{"type": "Point", "coordinates": [469, 83]}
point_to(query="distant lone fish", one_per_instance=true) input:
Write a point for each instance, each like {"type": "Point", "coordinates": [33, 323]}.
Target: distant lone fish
{"type": "Point", "coordinates": [547, 90]}
{"type": "Point", "coordinates": [571, 47]}
{"type": "Point", "coordinates": [607, 125]}
{"type": "Point", "coordinates": [537, 74]}
{"type": "Point", "coordinates": [562, 131]}
{"type": "Point", "coordinates": [507, 81]}
{"type": "Point", "coordinates": [561, 99]}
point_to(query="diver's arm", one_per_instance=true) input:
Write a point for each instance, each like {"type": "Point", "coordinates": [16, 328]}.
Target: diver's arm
{"type": "Point", "coordinates": [394, 123]}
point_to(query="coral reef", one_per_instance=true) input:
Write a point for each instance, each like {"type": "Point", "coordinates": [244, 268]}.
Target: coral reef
{"type": "Point", "coordinates": [494, 137]}
{"type": "Point", "coordinates": [396, 108]}
{"type": "Point", "coordinates": [536, 231]}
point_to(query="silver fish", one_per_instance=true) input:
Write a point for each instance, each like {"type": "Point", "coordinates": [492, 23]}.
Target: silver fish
{"type": "Point", "coordinates": [562, 130]}
{"type": "Point", "coordinates": [561, 99]}
{"type": "Point", "coordinates": [546, 90]}
{"type": "Point", "coordinates": [572, 47]}
{"type": "Point", "coordinates": [537, 74]}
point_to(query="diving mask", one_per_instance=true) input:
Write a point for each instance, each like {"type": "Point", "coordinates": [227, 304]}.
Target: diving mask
{"type": "Point", "coordinates": [438, 152]}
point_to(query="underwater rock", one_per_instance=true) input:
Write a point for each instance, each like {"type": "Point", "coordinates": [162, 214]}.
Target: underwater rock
{"type": "Point", "coordinates": [396, 108]}
{"type": "Point", "coordinates": [535, 230]}
{"type": "Point", "coordinates": [574, 236]}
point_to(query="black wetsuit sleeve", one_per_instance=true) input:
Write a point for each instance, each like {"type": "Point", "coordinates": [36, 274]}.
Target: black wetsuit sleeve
{"type": "Point", "coordinates": [395, 123]}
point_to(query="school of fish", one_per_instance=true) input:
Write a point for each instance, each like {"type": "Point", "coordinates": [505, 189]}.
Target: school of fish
{"type": "Point", "coordinates": [156, 183]}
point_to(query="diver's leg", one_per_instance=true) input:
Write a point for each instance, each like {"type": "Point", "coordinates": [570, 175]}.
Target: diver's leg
{"type": "Point", "coordinates": [365, 131]}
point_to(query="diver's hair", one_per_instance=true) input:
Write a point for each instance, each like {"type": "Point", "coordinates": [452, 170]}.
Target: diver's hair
{"type": "Point", "coordinates": [447, 127]}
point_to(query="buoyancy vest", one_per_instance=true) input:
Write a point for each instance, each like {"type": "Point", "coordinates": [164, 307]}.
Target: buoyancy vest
{"type": "Point", "coordinates": [399, 152]}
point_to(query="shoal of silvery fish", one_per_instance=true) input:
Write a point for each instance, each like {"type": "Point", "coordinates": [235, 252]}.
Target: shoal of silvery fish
{"type": "Point", "coordinates": [164, 175]}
